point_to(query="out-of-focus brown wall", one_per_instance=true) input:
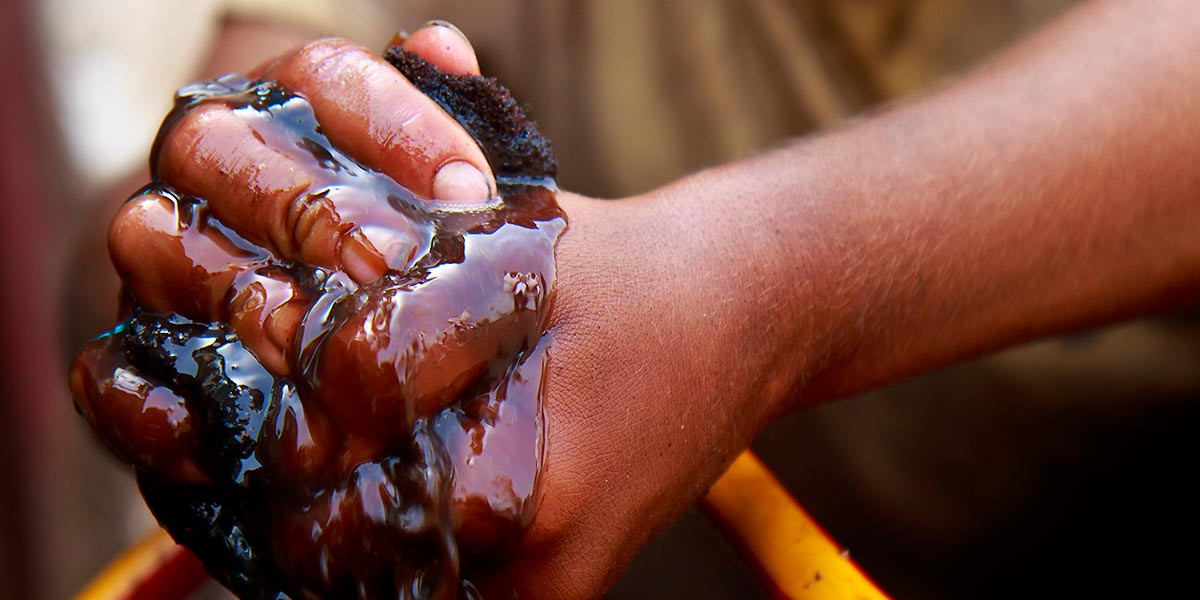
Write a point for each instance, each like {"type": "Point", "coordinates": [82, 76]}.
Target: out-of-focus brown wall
{"type": "Point", "coordinates": [32, 399]}
{"type": "Point", "coordinates": [633, 94]}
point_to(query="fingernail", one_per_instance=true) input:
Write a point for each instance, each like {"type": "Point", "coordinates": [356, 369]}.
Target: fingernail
{"type": "Point", "coordinates": [360, 260]}
{"type": "Point", "coordinates": [281, 324]}
{"type": "Point", "coordinates": [460, 181]}
{"type": "Point", "coordinates": [447, 25]}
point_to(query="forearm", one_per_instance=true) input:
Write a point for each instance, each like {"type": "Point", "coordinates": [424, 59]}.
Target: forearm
{"type": "Point", "coordinates": [1055, 189]}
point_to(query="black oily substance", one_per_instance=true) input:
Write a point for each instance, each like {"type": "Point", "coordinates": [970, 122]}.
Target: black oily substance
{"type": "Point", "coordinates": [380, 527]}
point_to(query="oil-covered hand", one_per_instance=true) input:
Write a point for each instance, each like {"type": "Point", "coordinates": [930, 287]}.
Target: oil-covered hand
{"type": "Point", "coordinates": [684, 319]}
{"type": "Point", "coordinates": [331, 378]}
{"type": "Point", "coordinates": [358, 253]}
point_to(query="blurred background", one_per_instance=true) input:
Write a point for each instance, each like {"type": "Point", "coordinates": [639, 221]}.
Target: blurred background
{"type": "Point", "coordinates": [1061, 467]}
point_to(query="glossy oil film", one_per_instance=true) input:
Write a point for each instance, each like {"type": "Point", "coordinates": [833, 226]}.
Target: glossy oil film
{"type": "Point", "coordinates": [406, 441]}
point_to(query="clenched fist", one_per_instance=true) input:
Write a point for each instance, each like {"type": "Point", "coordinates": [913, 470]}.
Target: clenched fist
{"type": "Point", "coordinates": [330, 379]}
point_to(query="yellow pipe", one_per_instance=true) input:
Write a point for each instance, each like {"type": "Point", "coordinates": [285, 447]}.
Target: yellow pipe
{"type": "Point", "coordinates": [153, 569]}
{"type": "Point", "coordinates": [791, 554]}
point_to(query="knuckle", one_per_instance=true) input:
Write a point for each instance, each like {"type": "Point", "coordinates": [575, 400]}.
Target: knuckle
{"type": "Point", "coordinates": [320, 51]}
{"type": "Point", "coordinates": [180, 143]}
{"type": "Point", "coordinates": [128, 229]}
{"type": "Point", "coordinates": [304, 212]}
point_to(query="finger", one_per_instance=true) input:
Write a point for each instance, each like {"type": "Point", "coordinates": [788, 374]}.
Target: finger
{"type": "Point", "coordinates": [266, 309]}
{"type": "Point", "coordinates": [173, 260]}
{"type": "Point", "coordinates": [296, 447]}
{"type": "Point", "coordinates": [444, 46]}
{"type": "Point", "coordinates": [413, 349]}
{"type": "Point", "coordinates": [144, 422]}
{"type": "Point", "coordinates": [261, 180]}
{"type": "Point", "coordinates": [171, 264]}
{"type": "Point", "coordinates": [370, 111]}
{"type": "Point", "coordinates": [495, 447]}
{"type": "Point", "coordinates": [333, 541]}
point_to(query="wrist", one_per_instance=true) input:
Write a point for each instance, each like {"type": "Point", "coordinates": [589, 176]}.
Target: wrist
{"type": "Point", "coordinates": [749, 237]}
{"type": "Point", "coordinates": [651, 355]}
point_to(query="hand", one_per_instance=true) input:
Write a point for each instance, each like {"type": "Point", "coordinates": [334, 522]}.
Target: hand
{"type": "Point", "coordinates": [636, 428]}
{"type": "Point", "coordinates": [372, 305]}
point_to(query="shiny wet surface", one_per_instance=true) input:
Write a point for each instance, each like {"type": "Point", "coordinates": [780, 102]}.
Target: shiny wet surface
{"type": "Point", "coordinates": [401, 436]}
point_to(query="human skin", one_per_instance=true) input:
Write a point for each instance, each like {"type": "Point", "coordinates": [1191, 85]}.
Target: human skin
{"type": "Point", "coordinates": [1053, 189]}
